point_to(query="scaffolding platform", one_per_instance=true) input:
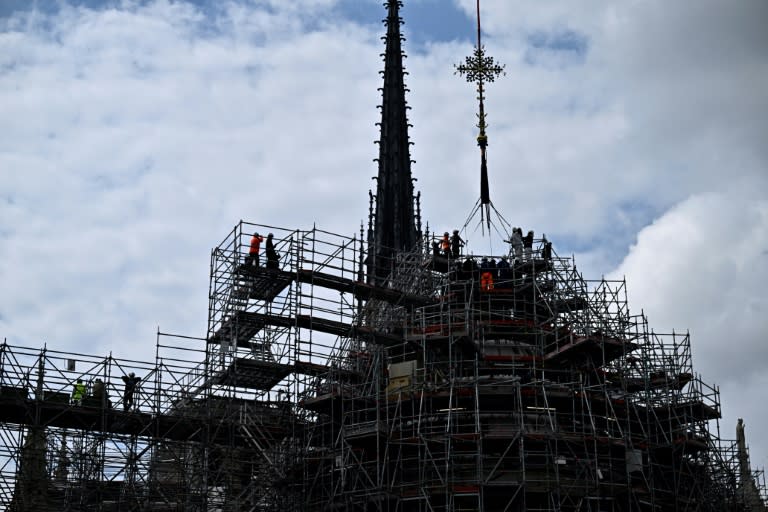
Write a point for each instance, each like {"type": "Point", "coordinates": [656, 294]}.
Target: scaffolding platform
{"type": "Point", "coordinates": [239, 330]}
{"type": "Point", "coordinates": [597, 349]}
{"type": "Point", "coordinates": [532, 266]}
{"type": "Point", "coordinates": [263, 283]}
{"type": "Point", "coordinates": [438, 332]}
{"type": "Point", "coordinates": [347, 330]}
{"type": "Point", "coordinates": [253, 374]}
{"type": "Point", "coordinates": [362, 290]}
{"type": "Point", "coordinates": [634, 384]}
{"type": "Point", "coordinates": [247, 324]}
{"type": "Point", "coordinates": [684, 411]}
{"type": "Point", "coordinates": [54, 412]}
{"type": "Point", "coordinates": [506, 328]}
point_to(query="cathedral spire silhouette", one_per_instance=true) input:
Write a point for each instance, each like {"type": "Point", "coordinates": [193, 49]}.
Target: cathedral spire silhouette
{"type": "Point", "coordinates": [392, 223]}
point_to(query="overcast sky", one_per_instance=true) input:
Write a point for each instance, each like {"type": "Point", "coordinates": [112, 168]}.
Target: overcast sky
{"type": "Point", "coordinates": [135, 134]}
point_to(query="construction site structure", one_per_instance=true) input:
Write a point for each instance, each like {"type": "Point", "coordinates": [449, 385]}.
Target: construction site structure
{"type": "Point", "coordinates": [315, 390]}
{"type": "Point", "coordinates": [375, 372]}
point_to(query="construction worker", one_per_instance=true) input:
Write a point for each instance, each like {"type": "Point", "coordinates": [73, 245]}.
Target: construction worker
{"type": "Point", "coordinates": [131, 381]}
{"type": "Point", "coordinates": [486, 274]}
{"type": "Point", "coordinates": [503, 272]}
{"type": "Point", "coordinates": [253, 252]}
{"type": "Point", "coordinates": [456, 244]}
{"type": "Point", "coordinates": [468, 269]}
{"type": "Point", "coordinates": [528, 244]}
{"type": "Point", "coordinates": [546, 250]}
{"type": "Point", "coordinates": [517, 243]}
{"type": "Point", "coordinates": [100, 393]}
{"type": "Point", "coordinates": [78, 392]}
{"type": "Point", "coordinates": [445, 245]}
{"type": "Point", "coordinates": [272, 257]}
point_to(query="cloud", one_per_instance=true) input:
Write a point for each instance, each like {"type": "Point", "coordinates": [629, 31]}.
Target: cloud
{"type": "Point", "coordinates": [135, 140]}
{"type": "Point", "coordinates": [704, 264]}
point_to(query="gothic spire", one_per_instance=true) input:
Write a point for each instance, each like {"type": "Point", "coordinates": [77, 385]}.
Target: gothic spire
{"type": "Point", "coordinates": [394, 226]}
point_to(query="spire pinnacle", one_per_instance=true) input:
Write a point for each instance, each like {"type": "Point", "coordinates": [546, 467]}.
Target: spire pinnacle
{"type": "Point", "coordinates": [481, 68]}
{"type": "Point", "coordinates": [394, 227]}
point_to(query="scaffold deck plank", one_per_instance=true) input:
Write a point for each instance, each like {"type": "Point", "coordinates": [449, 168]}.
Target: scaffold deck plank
{"type": "Point", "coordinates": [532, 266]}
{"type": "Point", "coordinates": [253, 374]}
{"type": "Point", "coordinates": [687, 410]}
{"type": "Point", "coordinates": [238, 329]}
{"type": "Point", "coordinates": [246, 324]}
{"type": "Point", "coordinates": [263, 283]}
{"type": "Point", "coordinates": [584, 348]}
{"type": "Point", "coordinates": [344, 329]}
{"type": "Point", "coordinates": [175, 426]}
{"type": "Point", "coordinates": [362, 290]}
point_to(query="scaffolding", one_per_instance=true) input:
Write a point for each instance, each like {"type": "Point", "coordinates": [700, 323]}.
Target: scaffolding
{"type": "Point", "coordinates": [457, 384]}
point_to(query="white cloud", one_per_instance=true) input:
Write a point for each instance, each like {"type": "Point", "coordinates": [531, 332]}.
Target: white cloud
{"type": "Point", "coordinates": [704, 264]}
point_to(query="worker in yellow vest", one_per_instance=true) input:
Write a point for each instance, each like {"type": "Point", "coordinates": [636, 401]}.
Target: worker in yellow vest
{"type": "Point", "coordinates": [78, 392]}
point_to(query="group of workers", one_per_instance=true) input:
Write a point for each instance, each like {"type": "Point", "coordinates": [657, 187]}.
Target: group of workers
{"type": "Point", "coordinates": [522, 245]}
{"type": "Point", "coordinates": [273, 258]}
{"type": "Point", "coordinates": [101, 396]}
{"type": "Point", "coordinates": [449, 246]}
{"type": "Point", "coordinates": [488, 270]}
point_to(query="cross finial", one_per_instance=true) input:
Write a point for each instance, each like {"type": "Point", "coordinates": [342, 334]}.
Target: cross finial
{"type": "Point", "coordinates": [480, 68]}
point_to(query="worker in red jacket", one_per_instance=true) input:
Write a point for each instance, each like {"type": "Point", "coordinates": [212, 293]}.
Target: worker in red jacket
{"type": "Point", "coordinates": [253, 252]}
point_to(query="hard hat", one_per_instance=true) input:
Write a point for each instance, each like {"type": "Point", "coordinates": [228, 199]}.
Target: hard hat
{"type": "Point", "coordinates": [270, 235]}
{"type": "Point", "coordinates": [445, 233]}
{"type": "Point", "coordinates": [455, 230]}
{"type": "Point", "coordinates": [255, 233]}
{"type": "Point", "coordinates": [131, 374]}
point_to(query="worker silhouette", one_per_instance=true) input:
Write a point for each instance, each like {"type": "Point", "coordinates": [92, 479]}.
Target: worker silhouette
{"type": "Point", "coordinates": [131, 382]}
{"type": "Point", "coordinates": [100, 394]}
{"type": "Point", "coordinates": [546, 250]}
{"type": "Point", "coordinates": [502, 267]}
{"type": "Point", "coordinates": [456, 244]}
{"type": "Point", "coordinates": [528, 245]}
{"type": "Point", "coordinates": [272, 257]}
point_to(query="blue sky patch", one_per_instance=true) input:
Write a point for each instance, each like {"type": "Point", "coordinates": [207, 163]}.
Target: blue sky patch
{"type": "Point", "coordinates": [8, 7]}
{"type": "Point", "coordinates": [425, 20]}
{"type": "Point", "coordinates": [629, 218]}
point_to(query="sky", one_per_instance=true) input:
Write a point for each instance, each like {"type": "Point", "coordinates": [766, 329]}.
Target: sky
{"type": "Point", "coordinates": [135, 134]}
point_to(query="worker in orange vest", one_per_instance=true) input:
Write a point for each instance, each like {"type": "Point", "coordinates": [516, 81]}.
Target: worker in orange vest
{"type": "Point", "coordinates": [486, 274]}
{"type": "Point", "coordinates": [253, 252]}
{"type": "Point", "coordinates": [445, 245]}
